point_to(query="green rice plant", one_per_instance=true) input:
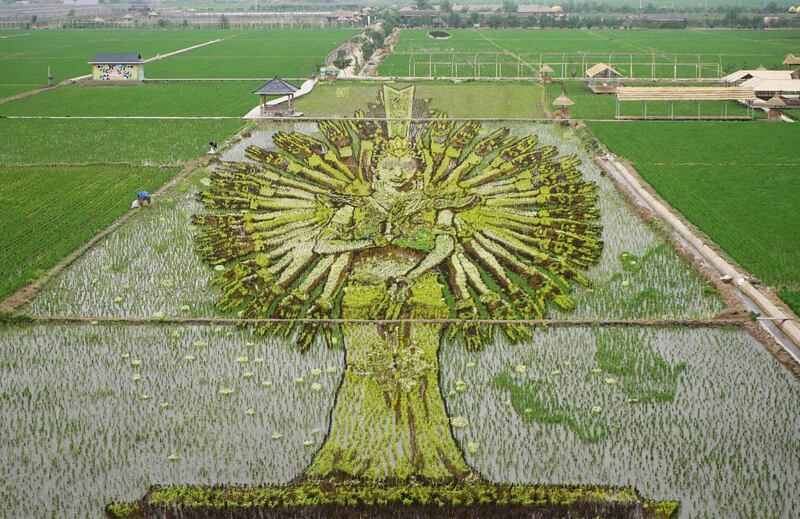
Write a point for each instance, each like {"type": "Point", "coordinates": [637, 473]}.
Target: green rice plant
{"type": "Point", "coordinates": [45, 213]}
{"type": "Point", "coordinates": [718, 173]}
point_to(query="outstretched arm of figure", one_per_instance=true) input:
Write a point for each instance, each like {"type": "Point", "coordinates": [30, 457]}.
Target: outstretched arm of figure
{"type": "Point", "coordinates": [330, 239]}
{"type": "Point", "coordinates": [442, 248]}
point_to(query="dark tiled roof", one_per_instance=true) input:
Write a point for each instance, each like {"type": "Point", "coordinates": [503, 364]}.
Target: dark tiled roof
{"type": "Point", "coordinates": [276, 86]}
{"type": "Point", "coordinates": [117, 57]}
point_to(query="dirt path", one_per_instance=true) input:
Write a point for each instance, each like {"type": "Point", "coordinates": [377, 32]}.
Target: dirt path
{"type": "Point", "coordinates": [21, 297]}
{"type": "Point", "coordinates": [530, 322]}
{"type": "Point", "coordinates": [773, 315]}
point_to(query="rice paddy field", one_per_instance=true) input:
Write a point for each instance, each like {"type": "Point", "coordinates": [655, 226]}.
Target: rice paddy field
{"type": "Point", "coordinates": [473, 99]}
{"type": "Point", "coordinates": [24, 58]}
{"type": "Point", "coordinates": [637, 53]}
{"type": "Point", "coordinates": [127, 371]}
{"type": "Point", "coordinates": [195, 99]}
{"type": "Point", "coordinates": [255, 54]}
{"type": "Point", "coordinates": [46, 212]}
{"type": "Point", "coordinates": [736, 182]}
{"type": "Point", "coordinates": [261, 54]}
{"type": "Point", "coordinates": [95, 413]}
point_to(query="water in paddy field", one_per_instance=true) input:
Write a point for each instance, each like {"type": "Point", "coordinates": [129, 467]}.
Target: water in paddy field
{"type": "Point", "coordinates": [725, 445]}
{"type": "Point", "coordinates": [148, 267]}
{"type": "Point", "coordinates": [94, 413]}
{"type": "Point", "coordinates": [98, 413]}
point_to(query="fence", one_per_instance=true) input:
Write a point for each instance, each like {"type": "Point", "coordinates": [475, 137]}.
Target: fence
{"type": "Point", "coordinates": [502, 65]}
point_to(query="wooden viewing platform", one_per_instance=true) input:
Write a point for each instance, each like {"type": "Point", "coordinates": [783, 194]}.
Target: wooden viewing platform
{"type": "Point", "coordinates": [671, 94]}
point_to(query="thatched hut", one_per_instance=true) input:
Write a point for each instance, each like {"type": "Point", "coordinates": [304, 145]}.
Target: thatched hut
{"type": "Point", "coordinates": [562, 104]}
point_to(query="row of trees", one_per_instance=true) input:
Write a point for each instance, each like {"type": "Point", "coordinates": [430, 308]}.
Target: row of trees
{"type": "Point", "coordinates": [571, 6]}
{"type": "Point", "coordinates": [506, 16]}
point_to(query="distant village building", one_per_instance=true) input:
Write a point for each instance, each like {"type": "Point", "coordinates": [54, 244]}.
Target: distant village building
{"type": "Point", "coordinates": [603, 79]}
{"type": "Point", "coordinates": [409, 13]}
{"type": "Point", "coordinates": [539, 11]}
{"type": "Point", "coordinates": [117, 67]}
{"type": "Point", "coordinates": [346, 17]}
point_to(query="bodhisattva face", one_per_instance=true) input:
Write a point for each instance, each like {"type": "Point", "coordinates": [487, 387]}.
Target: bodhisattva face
{"type": "Point", "coordinates": [397, 173]}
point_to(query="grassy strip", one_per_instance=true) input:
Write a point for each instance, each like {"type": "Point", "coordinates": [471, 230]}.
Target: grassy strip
{"type": "Point", "coordinates": [143, 142]}
{"type": "Point", "coordinates": [372, 500]}
{"type": "Point", "coordinates": [148, 99]}
{"type": "Point", "coordinates": [737, 182]}
{"type": "Point", "coordinates": [47, 212]}
{"type": "Point", "coordinates": [469, 99]}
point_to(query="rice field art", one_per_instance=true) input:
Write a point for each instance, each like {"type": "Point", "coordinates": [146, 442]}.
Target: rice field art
{"type": "Point", "coordinates": [409, 232]}
{"type": "Point", "coordinates": [396, 221]}
{"type": "Point", "coordinates": [393, 315]}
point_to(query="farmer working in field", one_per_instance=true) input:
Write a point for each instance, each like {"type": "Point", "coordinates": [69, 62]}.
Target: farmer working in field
{"type": "Point", "coordinates": [142, 198]}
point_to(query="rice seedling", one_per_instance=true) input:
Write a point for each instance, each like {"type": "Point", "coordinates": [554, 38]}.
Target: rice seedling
{"type": "Point", "coordinates": [89, 420]}
{"type": "Point", "coordinates": [704, 415]}
{"type": "Point", "coordinates": [168, 277]}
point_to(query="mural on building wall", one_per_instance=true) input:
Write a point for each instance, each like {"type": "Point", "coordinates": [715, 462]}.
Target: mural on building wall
{"type": "Point", "coordinates": [116, 72]}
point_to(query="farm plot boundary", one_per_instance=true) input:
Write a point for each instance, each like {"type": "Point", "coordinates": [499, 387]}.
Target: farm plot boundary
{"type": "Point", "coordinates": [28, 292]}
{"type": "Point", "coordinates": [714, 264]}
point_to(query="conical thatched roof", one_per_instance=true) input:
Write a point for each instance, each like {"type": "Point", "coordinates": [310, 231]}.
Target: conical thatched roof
{"type": "Point", "coordinates": [775, 102]}
{"type": "Point", "coordinates": [563, 101]}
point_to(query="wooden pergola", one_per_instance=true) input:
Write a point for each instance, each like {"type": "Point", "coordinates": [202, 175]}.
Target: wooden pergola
{"type": "Point", "coordinates": [696, 94]}
{"type": "Point", "coordinates": [276, 88]}
{"type": "Point", "coordinates": [603, 79]}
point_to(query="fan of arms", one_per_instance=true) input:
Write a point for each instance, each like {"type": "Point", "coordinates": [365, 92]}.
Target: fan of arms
{"type": "Point", "coordinates": [503, 225]}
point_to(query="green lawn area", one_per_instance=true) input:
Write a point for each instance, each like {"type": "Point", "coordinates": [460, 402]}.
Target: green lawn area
{"type": "Point", "coordinates": [738, 182]}
{"type": "Point", "coordinates": [632, 52]}
{"type": "Point", "coordinates": [150, 99]}
{"type": "Point", "coordinates": [144, 142]}
{"type": "Point", "coordinates": [46, 213]}
{"type": "Point", "coordinates": [472, 99]}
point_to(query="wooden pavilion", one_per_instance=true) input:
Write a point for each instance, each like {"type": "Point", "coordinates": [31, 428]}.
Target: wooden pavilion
{"type": "Point", "coordinates": [603, 79]}
{"type": "Point", "coordinates": [682, 95]}
{"type": "Point", "coordinates": [277, 88]}
{"type": "Point", "coordinates": [562, 104]}
{"type": "Point", "coordinates": [773, 106]}
{"type": "Point", "coordinates": [544, 73]}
